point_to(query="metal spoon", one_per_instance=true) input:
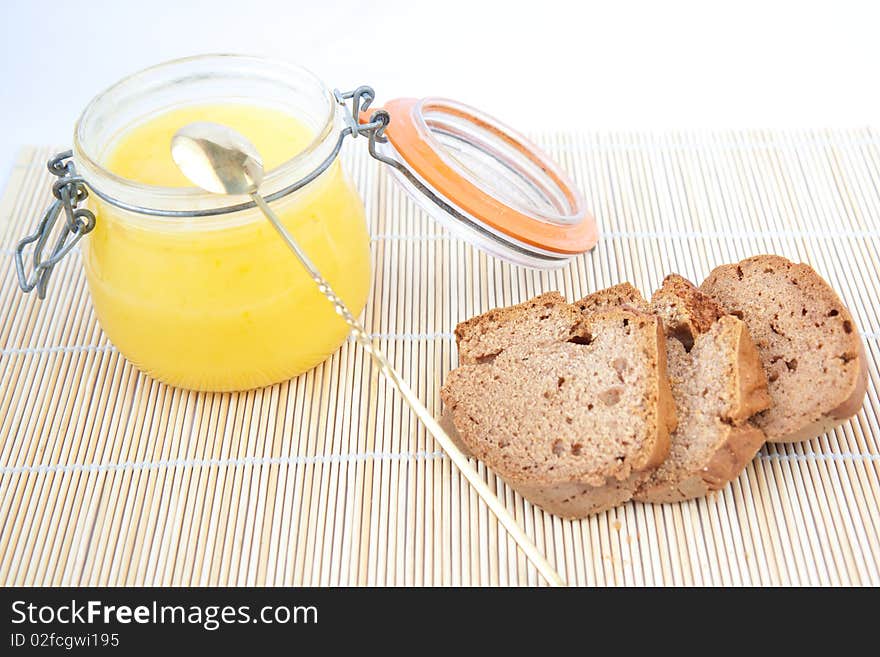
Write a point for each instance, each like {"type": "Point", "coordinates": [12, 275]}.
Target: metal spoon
{"type": "Point", "coordinates": [222, 161]}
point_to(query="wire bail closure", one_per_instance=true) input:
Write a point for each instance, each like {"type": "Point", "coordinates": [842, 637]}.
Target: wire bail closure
{"type": "Point", "coordinates": [71, 189]}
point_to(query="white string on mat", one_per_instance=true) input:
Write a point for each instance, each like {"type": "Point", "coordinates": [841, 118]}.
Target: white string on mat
{"type": "Point", "coordinates": [46, 468]}
{"type": "Point", "coordinates": [220, 462]}
{"type": "Point", "coordinates": [412, 337]}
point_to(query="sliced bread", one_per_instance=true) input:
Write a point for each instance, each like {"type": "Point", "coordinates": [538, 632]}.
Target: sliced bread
{"type": "Point", "coordinates": [717, 383]}
{"type": "Point", "coordinates": [569, 422]}
{"type": "Point", "coordinates": [808, 343]}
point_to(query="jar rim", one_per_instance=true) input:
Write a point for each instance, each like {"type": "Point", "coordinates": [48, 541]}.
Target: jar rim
{"type": "Point", "coordinates": [90, 162]}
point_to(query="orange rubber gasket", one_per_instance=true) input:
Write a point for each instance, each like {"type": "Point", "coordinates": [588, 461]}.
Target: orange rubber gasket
{"type": "Point", "coordinates": [405, 133]}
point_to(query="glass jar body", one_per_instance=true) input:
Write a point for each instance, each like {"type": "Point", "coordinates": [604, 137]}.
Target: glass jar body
{"type": "Point", "coordinates": [218, 302]}
{"type": "Point", "coordinates": [229, 308]}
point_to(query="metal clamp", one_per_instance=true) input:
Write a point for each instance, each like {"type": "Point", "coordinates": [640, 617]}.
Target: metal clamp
{"type": "Point", "coordinates": [69, 191]}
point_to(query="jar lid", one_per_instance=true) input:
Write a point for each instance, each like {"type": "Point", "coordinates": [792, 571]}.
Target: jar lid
{"type": "Point", "coordinates": [487, 183]}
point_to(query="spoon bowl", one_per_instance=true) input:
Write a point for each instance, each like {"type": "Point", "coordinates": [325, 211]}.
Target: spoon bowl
{"type": "Point", "coordinates": [217, 158]}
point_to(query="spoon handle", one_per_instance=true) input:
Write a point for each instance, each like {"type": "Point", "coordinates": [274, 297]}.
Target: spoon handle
{"type": "Point", "coordinates": [458, 457]}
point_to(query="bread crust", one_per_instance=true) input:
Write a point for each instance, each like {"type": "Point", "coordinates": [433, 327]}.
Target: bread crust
{"type": "Point", "coordinates": [701, 311]}
{"type": "Point", "coordinates": [727, 463]}
{"type": "Point", "coordinates": [667, 420]}
{"type": "Point", "coordinates": [574, 500]}
{"type": "Point", "coordinates": [753, 396]}
{"type": "Point", "coordinates": [447, 423]}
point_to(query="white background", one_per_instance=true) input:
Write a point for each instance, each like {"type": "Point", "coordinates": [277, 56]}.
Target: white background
{"type": "Point", "coordinates": [563, 65]}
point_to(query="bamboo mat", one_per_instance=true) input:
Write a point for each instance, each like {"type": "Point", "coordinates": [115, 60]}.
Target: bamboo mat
{"type": "Point", "coordinates": [108, 477]}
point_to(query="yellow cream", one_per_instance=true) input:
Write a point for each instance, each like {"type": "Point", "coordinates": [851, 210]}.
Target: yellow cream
{"type": "Point", "coordinates": [220, 303]}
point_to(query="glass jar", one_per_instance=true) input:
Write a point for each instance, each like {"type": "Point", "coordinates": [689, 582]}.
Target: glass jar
{"type": "Point", "coordinates": [215, 301]}
{"type": "Point", "coordinates": [198, 290]}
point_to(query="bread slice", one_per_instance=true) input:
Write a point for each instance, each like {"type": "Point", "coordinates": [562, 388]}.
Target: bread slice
{"type": "Point", "coordinates": [718, 383]}
{"type": "Point", "coordinates": [808, 343]}
{"type": "Point", "coordinates": [570, 421]}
